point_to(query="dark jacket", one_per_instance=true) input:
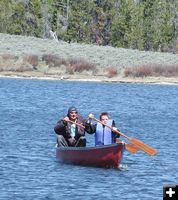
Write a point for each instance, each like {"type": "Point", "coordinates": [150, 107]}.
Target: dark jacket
{"type": "Point", "coordinates": [63, 128]}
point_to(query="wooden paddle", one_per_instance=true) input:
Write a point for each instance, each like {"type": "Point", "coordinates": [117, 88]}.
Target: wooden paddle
{"type": "Point", "coordinates": [144, 147]}
{"type": "Point", "coordinates": [129, 147]}
{"type": "Point", "coordinates": [80, 125]}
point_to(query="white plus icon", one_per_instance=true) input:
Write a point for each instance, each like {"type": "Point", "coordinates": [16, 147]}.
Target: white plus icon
{"type": "Point", "coordinates": [170, 192]}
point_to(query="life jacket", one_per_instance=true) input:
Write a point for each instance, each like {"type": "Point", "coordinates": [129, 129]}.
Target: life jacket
{"type": "Point", "coordinates": [103, 134]}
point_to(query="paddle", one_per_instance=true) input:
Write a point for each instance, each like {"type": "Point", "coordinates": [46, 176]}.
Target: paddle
{"type": "Point", "coordinates": [129, 147]}
{"type": "Point", "coordinates": [144, 147]}
{"type": "Point", "coordinates": [80, 125]}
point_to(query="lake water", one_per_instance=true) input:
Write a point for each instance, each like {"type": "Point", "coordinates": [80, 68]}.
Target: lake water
{"type": "Point", "coordinates": [29, 110]}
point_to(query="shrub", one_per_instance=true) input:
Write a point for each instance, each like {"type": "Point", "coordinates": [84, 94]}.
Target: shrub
{"type": "Point", "coordinates": [31, 59]}
{"type": "Point", "coordinates": [165, 70]}
{"type": "Point", "coordinates": [23, 67]}
{"type": "Point", "coordinates": [173, 69]}
{"type": "Point", "coordinates": [8, 56]}
{"type": "Point", "coordinates": [128, 72]}
{"type": "Point", "coordinates": [111, 72]}
{"type": "Point", "coordinates": [79, 65]}
{"type": "Point", "coordinates": [170, 70]}
{"type": "Point", "coordinates": [143, 71]}
{"type": "Point", "coordinates": [54, 60]}
{"type": "Point", "coordinates": [152, 70]}
{"type": "Point", "coordinates": [140, 71]}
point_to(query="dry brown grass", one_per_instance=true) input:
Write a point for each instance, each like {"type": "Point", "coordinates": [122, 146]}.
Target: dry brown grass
{"type": "Point", "coordinates": [29, 62]}
{"type": "Point", "coordinates": [80, 65]}
{"type": "Point", "coordinates": [31, 59]}
{"type": "Point", "coordinates": [49, 63]}
{"type": "Point", "coordinates": [111, 72]}
{"type": "Point", "coordinates": [53, 60]}
{"type": "Point", "coordinates": [8, 56]}
{"type": "Point", "coordinates": [72, 64]}
{"type": "Point", "coordinates": [10, 62]}
{"type": "Point", "coordinates": [152, 70]}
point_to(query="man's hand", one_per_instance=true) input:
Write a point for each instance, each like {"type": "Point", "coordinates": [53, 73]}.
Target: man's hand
{"type": "Point", "coordinates": [91, 116]}
{"type": "Point", "coordinates": [114, 129]}
{"type": "Point", "coordinates": [66, 119]}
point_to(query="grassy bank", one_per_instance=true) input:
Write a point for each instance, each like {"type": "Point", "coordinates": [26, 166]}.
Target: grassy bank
{"type": "Point", "coordinates": [42, 58]}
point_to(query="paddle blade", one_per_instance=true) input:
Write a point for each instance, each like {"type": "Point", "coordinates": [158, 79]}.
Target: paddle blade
{"type": "Point", "coordinates": [144, 147]}
{"type": "Point", "coordinates": [129, 147]}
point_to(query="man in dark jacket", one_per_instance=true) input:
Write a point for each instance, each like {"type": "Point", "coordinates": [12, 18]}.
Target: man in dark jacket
{"type": "Point", "coordinates": [68, 133]}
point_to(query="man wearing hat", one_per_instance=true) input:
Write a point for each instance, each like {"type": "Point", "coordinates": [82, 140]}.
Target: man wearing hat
{"type": "Point", "coordinates": [68, 133]}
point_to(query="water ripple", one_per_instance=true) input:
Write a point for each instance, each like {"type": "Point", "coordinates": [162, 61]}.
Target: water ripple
{"type": "Point", "coordinates": [28, 167]}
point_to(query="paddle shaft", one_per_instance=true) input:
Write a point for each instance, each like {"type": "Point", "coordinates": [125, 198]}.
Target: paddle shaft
{"type": "Point", "coordinates": [129, 147]}
{"type": "Point", "coordinates": [80, 125]}
{"type": "Point", "coordinates": [116, 131]}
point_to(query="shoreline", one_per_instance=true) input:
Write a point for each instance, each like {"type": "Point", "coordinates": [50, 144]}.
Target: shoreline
{"type": "Point", "coordinates": [85, 78]}
{"type": "Point", "coordinates": [23, 57]}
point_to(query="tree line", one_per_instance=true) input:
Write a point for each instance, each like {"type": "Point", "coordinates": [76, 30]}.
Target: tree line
{"type": "Point", "coordinates": [137, 24]}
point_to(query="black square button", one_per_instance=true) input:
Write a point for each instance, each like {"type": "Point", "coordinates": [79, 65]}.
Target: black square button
{"type": "Point", "coordinates": [170, 192]}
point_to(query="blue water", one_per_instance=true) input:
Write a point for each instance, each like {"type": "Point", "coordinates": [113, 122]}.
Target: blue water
{"type": "Point", "coordinates": [29, 110]}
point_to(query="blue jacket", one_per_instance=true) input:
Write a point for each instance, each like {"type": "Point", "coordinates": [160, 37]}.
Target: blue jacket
{"type": "Point", "coordinates": [103, 134]}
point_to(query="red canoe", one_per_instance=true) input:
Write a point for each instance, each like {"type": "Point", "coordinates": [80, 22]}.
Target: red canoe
{"type": "Point", "coordinates": [107, 156]}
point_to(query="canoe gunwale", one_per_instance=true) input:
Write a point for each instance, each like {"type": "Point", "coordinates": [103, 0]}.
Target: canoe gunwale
{"type": "Point", "coordinates": [89, 148]}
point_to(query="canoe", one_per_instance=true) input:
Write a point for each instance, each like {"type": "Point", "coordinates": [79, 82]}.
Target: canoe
{"type": "Point", "coordinates": [106, 156]}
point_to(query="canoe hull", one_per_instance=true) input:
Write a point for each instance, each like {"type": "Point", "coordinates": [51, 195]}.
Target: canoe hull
{"type": "Point", "coordinates": [107, 156]}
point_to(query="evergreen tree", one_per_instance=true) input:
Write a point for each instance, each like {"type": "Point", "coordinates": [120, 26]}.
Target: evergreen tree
{"type": "Point", "coordinates": [5, 14]}
{"type": "Point", "coordinates": [138, 24]}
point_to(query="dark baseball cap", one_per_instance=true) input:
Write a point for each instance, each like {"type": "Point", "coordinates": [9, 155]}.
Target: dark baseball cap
{"type": "Point", "coordinates": [72, 109]}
